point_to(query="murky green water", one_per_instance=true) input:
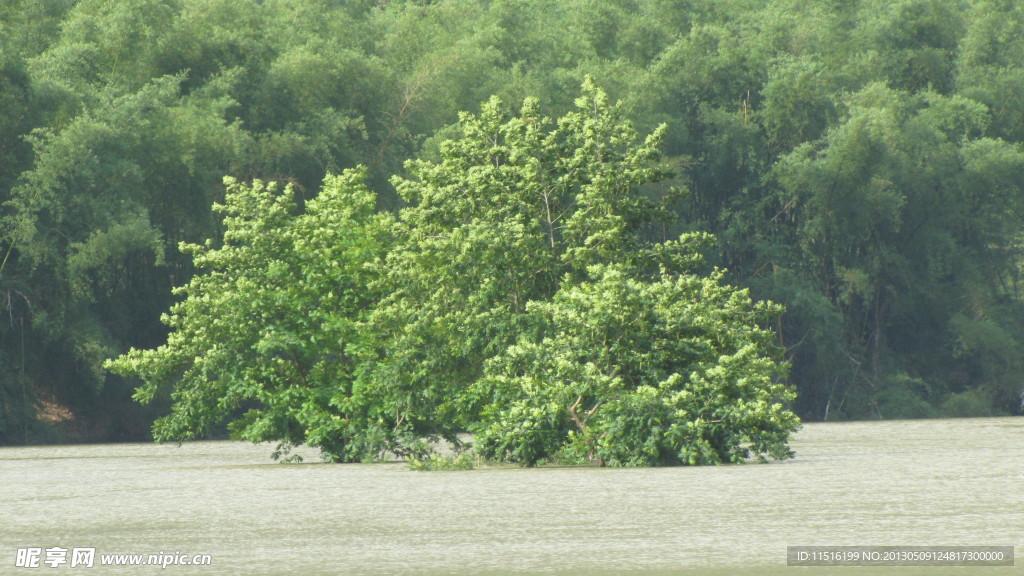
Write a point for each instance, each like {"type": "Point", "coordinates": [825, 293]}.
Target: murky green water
{"type": "Point", "coordinates": [939, 482]}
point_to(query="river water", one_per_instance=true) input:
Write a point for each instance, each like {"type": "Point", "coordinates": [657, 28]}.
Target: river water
{"type": "Point", "coordinates": [897, 483]}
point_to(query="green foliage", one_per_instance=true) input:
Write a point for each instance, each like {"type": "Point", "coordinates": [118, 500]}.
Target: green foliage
{"type": "Point", "coordinates": [513, 205]}
{"type": "Point", "coordinates": [669, 369]}
{"type": "Point", "coordinates": [968, 404]}
{"type": "Point", "coordinates": [269, 333]}
{"type": "Point", "coordinates": [437, 463]}
{"type": "Point", "coordinates": [889, 220]}
{"type": "Point", "coordinates": [903, 397]}
{"type": "Point", "coordinates": [524, 288]}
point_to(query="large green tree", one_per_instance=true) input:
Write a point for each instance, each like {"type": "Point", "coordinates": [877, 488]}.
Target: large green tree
{"type": "Point", "coordinates": [524, 270]}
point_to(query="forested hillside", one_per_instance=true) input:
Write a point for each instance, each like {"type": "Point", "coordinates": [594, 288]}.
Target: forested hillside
{"type": "Point", "coordinates": [858, 162]}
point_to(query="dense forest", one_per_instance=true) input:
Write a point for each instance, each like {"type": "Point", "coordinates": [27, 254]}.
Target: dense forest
{"type": "Point", "coordinates": [858, 162]}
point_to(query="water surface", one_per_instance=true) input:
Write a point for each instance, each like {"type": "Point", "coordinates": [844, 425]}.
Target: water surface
{"type": "Point", "coordinates": [910, 483]}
